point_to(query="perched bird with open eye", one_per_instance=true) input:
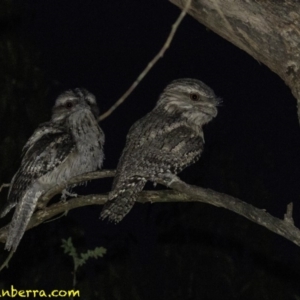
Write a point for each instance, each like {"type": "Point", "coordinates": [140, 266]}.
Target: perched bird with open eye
{"type": "Point", "coordinates": [164, 142]}
{"type": "Point", "coordinates": [70, 144]}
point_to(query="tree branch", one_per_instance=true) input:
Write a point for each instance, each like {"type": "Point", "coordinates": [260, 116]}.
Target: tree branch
{"type": "Point", "coordinates": [267, 30]}
{"type": "Point", "coordinates": [151, 63]}
{"type": "Point", "coordinates": [4, 185]}
{"type": "Point", "coordinates": [81, 179]}
{"type": "Point", "coordinates": [181, 192]}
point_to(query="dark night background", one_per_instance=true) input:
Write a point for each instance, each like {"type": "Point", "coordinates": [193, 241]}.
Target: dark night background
{"type": "Point", "coordinates": [159, 251]}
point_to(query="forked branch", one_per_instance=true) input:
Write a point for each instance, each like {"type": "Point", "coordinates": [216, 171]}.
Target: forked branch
{"type": "Point", "coordinates": [181, 192]}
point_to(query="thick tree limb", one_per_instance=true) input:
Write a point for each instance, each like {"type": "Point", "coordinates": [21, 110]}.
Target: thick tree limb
{"type": "Point", "coordinates": [268, 30]}
{"type": "Point", "coordinates": [181, 192]}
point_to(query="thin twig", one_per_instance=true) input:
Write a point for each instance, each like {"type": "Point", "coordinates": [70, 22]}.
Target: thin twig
{"type": "Point", "coordinates": [151, 63]}
{"type": "Point", "coordinates": [4, 185]}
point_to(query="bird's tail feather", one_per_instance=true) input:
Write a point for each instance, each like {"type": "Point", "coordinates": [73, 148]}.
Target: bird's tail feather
{"type": "Point", "coordinates": [21, 218]}
{"type": "Point", "coordinates": [116, 209]}
{"type": "Point", "coordinates": [122, 200]}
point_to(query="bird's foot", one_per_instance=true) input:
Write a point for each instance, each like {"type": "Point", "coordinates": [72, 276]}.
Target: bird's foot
{"type": "Point", "coordinates": [167, 178]}
{"type": "Point", "coordinates": [65, 193]}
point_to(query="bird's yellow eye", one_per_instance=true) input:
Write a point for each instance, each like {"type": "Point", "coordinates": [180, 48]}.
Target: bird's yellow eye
{"type": "Point", "coordinates": [194, 96]}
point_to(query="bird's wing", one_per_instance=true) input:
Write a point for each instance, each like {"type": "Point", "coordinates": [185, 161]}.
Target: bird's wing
{"type": "Point", "coordinates": [167, 149]}
{"type": "Point", "coordinates": [47, 148]}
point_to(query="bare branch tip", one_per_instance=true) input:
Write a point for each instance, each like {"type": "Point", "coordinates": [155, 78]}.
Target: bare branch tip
{"type": "Point", "coordinates": [4, 185]}
{"type": "Point", "coordinates": [288, 216]}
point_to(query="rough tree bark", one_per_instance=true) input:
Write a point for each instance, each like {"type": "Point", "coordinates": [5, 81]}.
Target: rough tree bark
{"type": "Point", "coordinates": [268, 30]}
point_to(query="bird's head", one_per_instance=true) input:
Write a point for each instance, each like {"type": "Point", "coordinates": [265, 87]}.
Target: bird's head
{"type": "Point", "coordinates": [73, 101]}
{"type": "Point", "coordinates": [191, 97]}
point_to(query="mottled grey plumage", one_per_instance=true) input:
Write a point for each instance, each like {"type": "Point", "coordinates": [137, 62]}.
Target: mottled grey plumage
{"type": "Point", "coordinates": [70, 144]}
{"type": "Point", "coordinates": [162, 143]}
